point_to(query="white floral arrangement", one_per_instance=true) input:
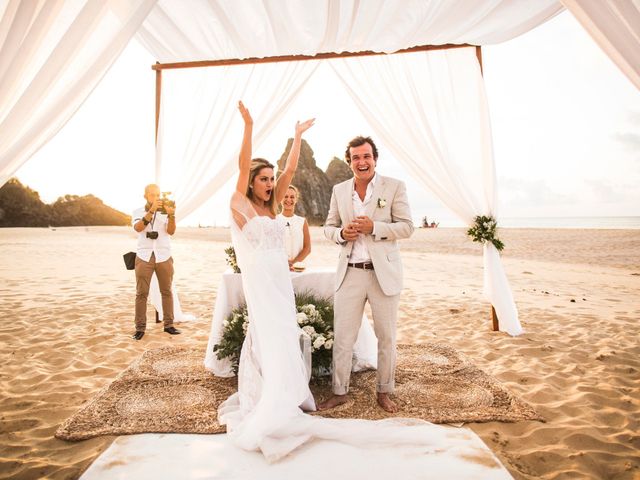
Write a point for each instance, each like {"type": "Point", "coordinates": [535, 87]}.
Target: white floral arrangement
{"type": "Point", "coordinates": [382, 202]}
{"type": "Point", "coordinates": [314, 317]}
{"type": "Point", "coordinates": [484, 230]}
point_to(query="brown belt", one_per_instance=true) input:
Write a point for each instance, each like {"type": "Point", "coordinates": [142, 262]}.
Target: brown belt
{"type": "Point", "coordinates": [362, 265]}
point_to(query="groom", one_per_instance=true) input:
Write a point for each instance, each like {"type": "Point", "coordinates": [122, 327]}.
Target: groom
{"type": "Point", "coordinates": [368, 214]}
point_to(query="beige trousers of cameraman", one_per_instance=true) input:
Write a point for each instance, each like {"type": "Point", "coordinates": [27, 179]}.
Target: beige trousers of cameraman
{"type": "Point", "coordinates": [144, 272]}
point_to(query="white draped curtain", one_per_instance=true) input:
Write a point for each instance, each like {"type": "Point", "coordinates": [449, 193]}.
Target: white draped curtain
{"type": "Point", "coordinates": [430, 111]}
{"type": "Point", "coordinates": [52, 55]}
{"type": "Point", "coordinates": [615, 27]}
{"type": "Point", "coordinates": [225, 29]}
{"type": "Point", "coordinates": [200, 133]}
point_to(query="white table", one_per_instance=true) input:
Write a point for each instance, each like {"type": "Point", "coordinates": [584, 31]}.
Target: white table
{"type": "Point", "coordinates": [320, 282]}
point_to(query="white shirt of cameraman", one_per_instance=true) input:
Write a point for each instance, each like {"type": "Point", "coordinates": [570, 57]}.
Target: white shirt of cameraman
{"type": "Point", "coordinates": [161, 246]}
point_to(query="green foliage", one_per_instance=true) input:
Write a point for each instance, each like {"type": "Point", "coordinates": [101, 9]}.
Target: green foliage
{"type": "Point", "coordinates": [232, 261]}
{"type": "Point", "coordinates": [21, 207]}
{"type": "Point", "coordinates": [484, 230]}
{"type": "Point", "coordinates": [234, 330]}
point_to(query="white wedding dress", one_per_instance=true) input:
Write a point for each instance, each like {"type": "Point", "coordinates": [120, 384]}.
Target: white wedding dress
{"type": "Point", "coordinates": [266, 413]}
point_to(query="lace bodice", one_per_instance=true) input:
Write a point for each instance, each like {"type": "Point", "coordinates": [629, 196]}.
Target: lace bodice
{"type": "Point", "coordinates": [264, 233]}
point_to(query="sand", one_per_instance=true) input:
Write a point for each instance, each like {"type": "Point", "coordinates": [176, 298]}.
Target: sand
{"type": "Point", "coordinates": [67, 307]}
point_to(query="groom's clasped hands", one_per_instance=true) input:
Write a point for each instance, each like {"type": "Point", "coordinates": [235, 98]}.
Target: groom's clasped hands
{"type": "Point", "coordinates": [361, 225]}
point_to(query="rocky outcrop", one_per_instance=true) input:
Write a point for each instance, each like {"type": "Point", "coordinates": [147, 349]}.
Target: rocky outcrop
{"type": "Point", "coordinates": [314, 185]}
{"type": "Point", "coordinates": [338, 171]}
{"type": "Point", "coordinates": [21, 206]}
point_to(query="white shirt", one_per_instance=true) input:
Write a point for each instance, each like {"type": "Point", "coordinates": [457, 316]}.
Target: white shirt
{"type": "Point", "coordinates": [360, 252]}
{"type": "Point", "coordinates": [293, 234]}
{"type": "Point", "coordinates": [161, 246]}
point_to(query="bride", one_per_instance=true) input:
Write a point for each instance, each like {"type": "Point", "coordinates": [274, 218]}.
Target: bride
{"type": "Point", "coordinates": [267, 412]}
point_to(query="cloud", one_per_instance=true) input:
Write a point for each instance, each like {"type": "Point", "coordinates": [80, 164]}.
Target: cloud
{"type": "Point", "coordinates": [629, 140]}
{"type": "Point", "coordinates": [529, 193]}
{"type": "Point", "coordinates": [604, 192]}
{"type": "Point", "coordinates": [634, 117]}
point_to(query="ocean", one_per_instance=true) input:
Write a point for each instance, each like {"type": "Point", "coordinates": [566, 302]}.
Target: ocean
{"type": "Point", "coordinates": [557, 222]}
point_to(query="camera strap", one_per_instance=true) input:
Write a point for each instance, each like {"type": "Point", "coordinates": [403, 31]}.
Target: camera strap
{"type": "Point", "coordinates": [153, 220]}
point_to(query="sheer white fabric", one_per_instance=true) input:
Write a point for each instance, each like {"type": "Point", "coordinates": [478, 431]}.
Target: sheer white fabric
{"type": "Point", "coordinates": [430, 110]}
{"type": "Point", "coordinates": [615, 27]}
{"type": "Point", "coordinates": [52, 55]}
{"type": "Point", "coordinates": [199, 114]}
{"type": "Point", "coordinates": [273, 375]}
{"type": "Point", "coordinates": [254, 28]}
{"type": "Point", "coordinates": [265, 414]}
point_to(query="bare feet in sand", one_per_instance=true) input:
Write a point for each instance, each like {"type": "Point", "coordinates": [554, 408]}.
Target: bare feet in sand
{"type": "Point", "coordinates": [333, 402]}
{"type": "Point", "coordinates": [386, 403]}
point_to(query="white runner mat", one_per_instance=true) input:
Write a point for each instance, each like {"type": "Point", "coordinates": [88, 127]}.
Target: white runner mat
{"type": "Point", "coordinates": [165, 456]}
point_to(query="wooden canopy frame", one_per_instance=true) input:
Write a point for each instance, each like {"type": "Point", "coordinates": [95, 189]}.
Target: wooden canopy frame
{"type": "Point", "coordinates": [159, 67]}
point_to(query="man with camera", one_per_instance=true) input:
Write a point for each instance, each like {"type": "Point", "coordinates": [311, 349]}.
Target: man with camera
{"type": "Point", "coordinates": [155, 223]}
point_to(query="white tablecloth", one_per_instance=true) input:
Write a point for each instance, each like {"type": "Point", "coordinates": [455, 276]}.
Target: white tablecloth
{"type": "Point", "coordinates": [156, 300]}
{"type": "Point", "coordinates": [320, 282]}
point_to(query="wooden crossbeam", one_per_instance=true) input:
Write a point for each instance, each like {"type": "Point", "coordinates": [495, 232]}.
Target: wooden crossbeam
{"type": "Point", "coordinates": [298, 58]}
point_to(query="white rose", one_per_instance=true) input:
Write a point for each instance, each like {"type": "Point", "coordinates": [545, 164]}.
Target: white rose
{"type": "Point", "coordinates": [309, 330]}
{"type": "Point", "coordinates": [318, 342]}
{"type": "Point", "coordinates": [302, 318]}
{"type": "Point", "coordinates": [328, 344]}
{"type": "Point", "coordinates": [225, 323]}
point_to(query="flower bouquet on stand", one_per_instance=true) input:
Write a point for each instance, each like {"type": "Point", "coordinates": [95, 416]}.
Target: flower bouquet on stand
{"type": "Point", "coordinates": [314, 317]}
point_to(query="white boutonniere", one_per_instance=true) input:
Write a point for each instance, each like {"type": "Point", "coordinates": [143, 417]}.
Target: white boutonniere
{"type": "Point", "coordinates": [381, 203]}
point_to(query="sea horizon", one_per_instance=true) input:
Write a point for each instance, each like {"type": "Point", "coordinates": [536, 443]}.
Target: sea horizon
{"type": "Point", "coordinates": [617, 222]}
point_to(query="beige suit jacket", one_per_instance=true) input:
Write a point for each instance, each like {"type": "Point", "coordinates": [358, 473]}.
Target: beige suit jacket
{"type": "Point", "coordinates": [391, 223]}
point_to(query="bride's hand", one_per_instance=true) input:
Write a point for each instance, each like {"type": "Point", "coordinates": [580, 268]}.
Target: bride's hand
{"type": "Point", "coordinates": [244, 111]}
{"type": "Point", "coordinates": [304, 126]}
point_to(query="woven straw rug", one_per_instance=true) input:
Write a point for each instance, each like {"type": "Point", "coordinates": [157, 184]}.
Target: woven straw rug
{"type": "Point", "coordinates": [167, 390]}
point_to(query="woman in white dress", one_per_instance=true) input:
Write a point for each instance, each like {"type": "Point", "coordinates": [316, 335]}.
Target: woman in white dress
{"type": "Point", "coordinates": [297, 240]}
{"type": "Point", "coordinates": [267, 412]}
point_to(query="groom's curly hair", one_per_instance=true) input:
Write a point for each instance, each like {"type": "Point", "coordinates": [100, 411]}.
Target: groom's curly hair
{"type": "Point", "coordinates": [356, 142]}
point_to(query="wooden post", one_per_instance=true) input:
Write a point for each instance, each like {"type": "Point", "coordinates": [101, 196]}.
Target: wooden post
{"type": "Point", "coordinates": [494, 318]}
{"type": "Point", "coordinates": [158, 102]}
{"type": "Point", "coordinates": [158, 97]}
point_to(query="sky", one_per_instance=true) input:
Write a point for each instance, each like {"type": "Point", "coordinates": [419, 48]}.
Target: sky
{"type": "Point", "coordinates": [565, 122]}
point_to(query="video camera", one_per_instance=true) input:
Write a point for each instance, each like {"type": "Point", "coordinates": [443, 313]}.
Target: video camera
{"type": "Point", "coordinates": [166, 202]}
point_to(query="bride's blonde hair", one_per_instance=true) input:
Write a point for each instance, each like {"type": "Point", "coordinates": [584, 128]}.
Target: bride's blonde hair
{"type": "Point", "coordinates": [258, 164]}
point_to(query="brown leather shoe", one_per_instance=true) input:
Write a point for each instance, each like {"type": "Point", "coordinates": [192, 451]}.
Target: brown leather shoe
{"type": "Point", "coordinates": [137, 335]}
{"type": "Point", "coordinates": [172, 331]}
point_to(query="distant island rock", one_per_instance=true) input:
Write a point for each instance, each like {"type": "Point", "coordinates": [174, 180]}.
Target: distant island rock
{"type": "Point", "coordinates": [20, 206]}
{"type": "Point", "coordinates": [315, 185]}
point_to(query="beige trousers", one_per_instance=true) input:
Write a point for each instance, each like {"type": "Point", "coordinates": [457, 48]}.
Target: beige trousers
{"type": "Point", "coordinates": [144, 272]}
{"type": "Point", "coordinates": [358, 287]}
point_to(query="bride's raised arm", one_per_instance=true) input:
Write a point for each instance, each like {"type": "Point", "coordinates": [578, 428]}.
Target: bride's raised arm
{"type": "Point", "coordinates": [244, 160]}
{"type": "Point", "coordinates": [284, 180]}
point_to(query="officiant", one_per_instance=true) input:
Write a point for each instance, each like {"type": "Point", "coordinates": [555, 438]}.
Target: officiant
{"type": "Point", "coordinates": [297, 238]}
{"type": "Point", "coordinates": [155, 223]}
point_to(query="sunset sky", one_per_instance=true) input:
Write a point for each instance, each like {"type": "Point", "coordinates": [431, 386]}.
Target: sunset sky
{"type": "Point", "coordinates": [565, 121]}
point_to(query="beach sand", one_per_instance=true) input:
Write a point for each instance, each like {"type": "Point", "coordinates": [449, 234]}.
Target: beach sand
{"type": "Point", "coordinates": [66, 302]}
